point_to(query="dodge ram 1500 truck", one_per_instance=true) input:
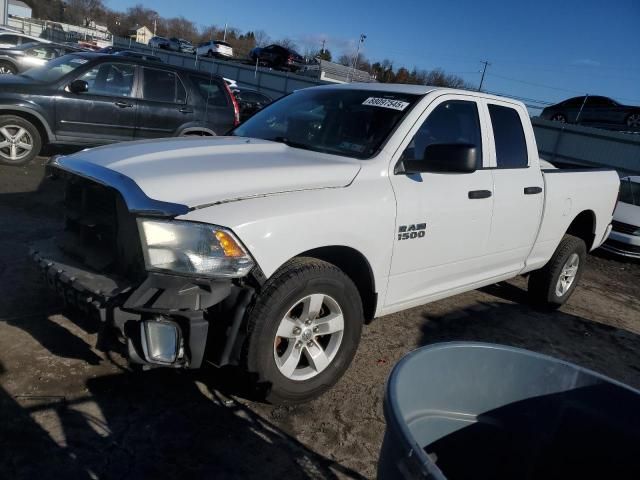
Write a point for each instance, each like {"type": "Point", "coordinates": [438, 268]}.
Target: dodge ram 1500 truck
{"type": "Point", "coordinates": [271, 247]}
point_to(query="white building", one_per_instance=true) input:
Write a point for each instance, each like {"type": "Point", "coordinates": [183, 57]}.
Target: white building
{"type": "Point", "coordinates": [17, 8]}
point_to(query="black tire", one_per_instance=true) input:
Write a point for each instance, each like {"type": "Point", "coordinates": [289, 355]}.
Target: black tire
{"type": "Point", "coordinates": [633, 120]}
{"type": "Point", "coordinates": [7, 68]}
{"type": "Point", "coordinates": [543, 283]}
{"type": "Point", "coordinates": [296, 280]}
{"type": "Point", "coordinates": [10, 122]}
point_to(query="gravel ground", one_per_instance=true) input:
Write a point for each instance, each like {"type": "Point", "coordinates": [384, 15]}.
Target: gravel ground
{"type": "Point", "coordinates": [68, 409]}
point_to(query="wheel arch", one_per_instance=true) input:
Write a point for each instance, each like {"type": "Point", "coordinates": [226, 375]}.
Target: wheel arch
{"type": "Point", "coordinates": [35, 118]}
{"type": "Point", "coordinates": [196, 131]}
{"type": "Point", "coordinates": [584, 226]}
{"type": "Point", "coordinates": [356, 266]}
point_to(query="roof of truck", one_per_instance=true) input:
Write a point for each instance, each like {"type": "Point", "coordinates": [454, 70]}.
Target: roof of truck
{"type": "Point", "coordinates": [414, 90]}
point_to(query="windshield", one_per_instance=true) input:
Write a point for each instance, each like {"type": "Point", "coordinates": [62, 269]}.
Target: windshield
{"type": "Point", "coordinates": [55, 69]}
{"type": "Point", "coordinates": [630, 192]}
{"type": "Point", "coordinates": [353, 123]}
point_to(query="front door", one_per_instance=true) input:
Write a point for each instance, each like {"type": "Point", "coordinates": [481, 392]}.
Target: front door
{"type": "Point", "coordinates": [443, 219]}
{"type": "Point", "coordinates": [106, 112]}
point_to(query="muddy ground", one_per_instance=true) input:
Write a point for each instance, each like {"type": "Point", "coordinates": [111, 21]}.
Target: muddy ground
{"type": "Point", "coordinates": [71, 410]}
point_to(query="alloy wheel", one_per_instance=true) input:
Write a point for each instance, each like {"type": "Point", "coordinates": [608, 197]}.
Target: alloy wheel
{"type": "Point", "coordinates": [308, 337]}
{"type": "Point", "coordinates": [568, 274]}
{"type": "Point", "coordinates": [16, 143]}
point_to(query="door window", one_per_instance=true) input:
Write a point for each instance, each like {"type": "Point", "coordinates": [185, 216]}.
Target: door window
{"type": "Point", "coordinates": [112, 79]}
{"type": "Point", "coordinates": [44, 53]}
{"type": "Point", "coordinates": [10, 39]}
{"type": "Point", "coordinates": [453, 121]}
{"type": "Point", "coordinates": [162, 86]}
{"type": "Point", "coordinates": [211, 91]}
{"type": "Point", "coordinates": [511, 146]}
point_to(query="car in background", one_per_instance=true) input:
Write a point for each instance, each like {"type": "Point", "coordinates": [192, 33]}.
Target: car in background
{"type": "Point", "coordinates": [215, 49]}
{"type": "Point", "coordinates": [129, 53]}
{"type": "Point", "coordinates": [159, 42]}
{"type": "Point", "coordinates": [277, 57]}
{"type": "Point", "coordinates": [29, 55]}
{"type": "Point", "coordinates": [250, 101]}
{"type": "Point", "coordinates": [94, 99]}
{"type": "Point", "coordinates": [10, 39]}
{"type": "Point", "coordinates": [624, 238]}
{"type": "Point", "coordinates": [181, 45]}
{"type": "Point", "coordinates": [595, 110]}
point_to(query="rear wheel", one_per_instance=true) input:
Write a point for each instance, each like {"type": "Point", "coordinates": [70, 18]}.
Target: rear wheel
{"type": "Point", "coordinates": [20, 141]}
{"type": "Point", "coordinates": [304, 330]}
{"type": "Point", "coordinates": [633, 120]}
{"type": "Point", "coordinates": [554, 283]}
{"type": "Point", "coordinates": [7, 68]}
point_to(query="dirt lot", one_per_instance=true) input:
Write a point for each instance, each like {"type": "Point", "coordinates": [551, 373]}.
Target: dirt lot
{"type": "Point", "coordinates": [71, 410]}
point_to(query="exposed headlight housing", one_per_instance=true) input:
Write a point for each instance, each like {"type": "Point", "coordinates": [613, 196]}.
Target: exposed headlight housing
{"type": "Point", "coordinates": [192, 248]}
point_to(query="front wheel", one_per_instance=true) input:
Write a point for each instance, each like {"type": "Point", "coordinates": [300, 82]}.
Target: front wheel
{"type": "Point", "coordinates": [7, 68]}
{"type": "Point", "coordinates": [554, 283]}
{"type": "Point", "coordinates": [20, 141]}
{"type": "Point", "coordinates": [304, 330]}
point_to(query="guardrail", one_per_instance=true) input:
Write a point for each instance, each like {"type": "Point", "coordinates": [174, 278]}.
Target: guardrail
{"type": "Point", "coordinates": [271, 82]}
{"type": "Point", "coordinates": [582, 146]}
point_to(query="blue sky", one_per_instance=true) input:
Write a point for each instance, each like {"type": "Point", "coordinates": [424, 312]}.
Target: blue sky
{"type": "Point", "coordinates": [543, 49]}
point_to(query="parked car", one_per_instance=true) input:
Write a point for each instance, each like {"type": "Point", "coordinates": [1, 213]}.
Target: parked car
{"type": "Point", "coordinates": [278, 57]}
{"type": "Point", "coordinates": [29, 55]}
{"type": "Point", "coordinates": [250, 101]}
{"type": "Point", "coordinates": [594, 110]}
{"type": "Point", "coordinates": [10, 39]}
{"type": "Point", "coordinates": [625, 233]}
{"type": "Point", "coordinates": [159, 42]}
{"type": "Point", "coordinates": [332, 206]}
{"type": "Point", "coordinates": [129, 53]}
{"type": "Point", "coordinates": [215, 48]}
{"type": "Point", "coordinates": [181, 45]}
{"type": "Point", "coordinates": [94, 99]}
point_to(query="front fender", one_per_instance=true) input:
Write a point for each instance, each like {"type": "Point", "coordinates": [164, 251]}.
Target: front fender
{"type": "Point", "coordinates": [276, 228]}
{"type": "Point", "coordinates": [31, 108]}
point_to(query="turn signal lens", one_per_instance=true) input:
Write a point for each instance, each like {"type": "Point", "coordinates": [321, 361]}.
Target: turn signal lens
{"type": "Point", "coordinates": [229, 245]}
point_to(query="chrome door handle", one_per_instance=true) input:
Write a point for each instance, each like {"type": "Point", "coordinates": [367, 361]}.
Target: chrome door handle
{"type": "Point", "coordinates": [124, 104]}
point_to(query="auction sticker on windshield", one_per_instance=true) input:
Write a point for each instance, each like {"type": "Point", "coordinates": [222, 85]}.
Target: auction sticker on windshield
{"type": "Point", "coordinates": [386, 103]}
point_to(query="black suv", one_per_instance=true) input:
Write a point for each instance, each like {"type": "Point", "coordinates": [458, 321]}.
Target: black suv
{"type": "Point", "coordinates": [93, 99]}
{"type": "Point", "coordinates": [278, 57]}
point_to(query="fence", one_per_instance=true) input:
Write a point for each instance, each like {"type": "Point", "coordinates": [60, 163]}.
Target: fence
{"type": "Point", "coordinates": [576, 145]}
{"type": "Point", "coordinates": [271, 82]}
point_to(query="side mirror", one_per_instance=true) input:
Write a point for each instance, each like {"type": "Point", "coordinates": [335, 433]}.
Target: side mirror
{"type": "Point", "coordinates": [78, 86]}
{"type": "Point", "coordinates": [443, 158]}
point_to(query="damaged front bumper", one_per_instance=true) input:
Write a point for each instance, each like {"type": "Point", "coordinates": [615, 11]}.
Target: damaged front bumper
{"type": "Point", "coordinates": [163, 319]}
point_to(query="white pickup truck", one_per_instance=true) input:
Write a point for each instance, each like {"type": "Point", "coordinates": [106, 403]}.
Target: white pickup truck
{"type": "Point", "coordinates": [270, 247]}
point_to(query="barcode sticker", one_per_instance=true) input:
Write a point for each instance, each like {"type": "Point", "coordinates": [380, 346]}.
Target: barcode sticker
{"type": "Point", "coordinates": [386, 103]}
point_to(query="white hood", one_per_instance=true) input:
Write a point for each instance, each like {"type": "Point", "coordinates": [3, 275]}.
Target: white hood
{"type": "Point", "coordinates": [206, 170]}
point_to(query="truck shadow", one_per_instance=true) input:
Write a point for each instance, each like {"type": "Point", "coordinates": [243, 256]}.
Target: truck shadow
{"type": "Point", "coordinates": [159, 424]}
{"type": "Point", "coordinates": [603, 348]}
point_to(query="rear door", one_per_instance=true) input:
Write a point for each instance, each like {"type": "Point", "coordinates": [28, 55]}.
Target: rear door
{"type": "Point", "coordinates": [106, 112]}
{"type": "Point", "coordinates": [443, 219]}
{"type": "Point", "coordinates": [162, 104]}
{"type": "Point", "coordinates": [518, 187]}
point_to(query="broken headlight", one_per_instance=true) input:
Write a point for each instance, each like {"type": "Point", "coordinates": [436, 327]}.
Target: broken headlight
{"type": "Point", "coordinates": [191, 248]}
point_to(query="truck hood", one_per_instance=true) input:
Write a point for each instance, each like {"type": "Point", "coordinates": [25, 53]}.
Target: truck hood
{"type": "Point", "coordinates": [201, 171]}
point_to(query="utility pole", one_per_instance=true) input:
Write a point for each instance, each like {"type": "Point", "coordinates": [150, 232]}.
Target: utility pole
{"type": "Point", "coordinates": [322, 51]}
{"type": "Point", "coordinates": [354, 66]}
{"type": "Point", "coordinates": [224, 39]}
{"type": "Point", "coordinates": [155, 24]}
{"type": "Point", "coordinates": [484, 70]}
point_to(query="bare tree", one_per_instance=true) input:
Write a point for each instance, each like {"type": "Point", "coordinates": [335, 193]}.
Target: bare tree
{"type": "Point", "coordinates": [287, 43]}
{"type": "Point", "coordinates": [261, 37]}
